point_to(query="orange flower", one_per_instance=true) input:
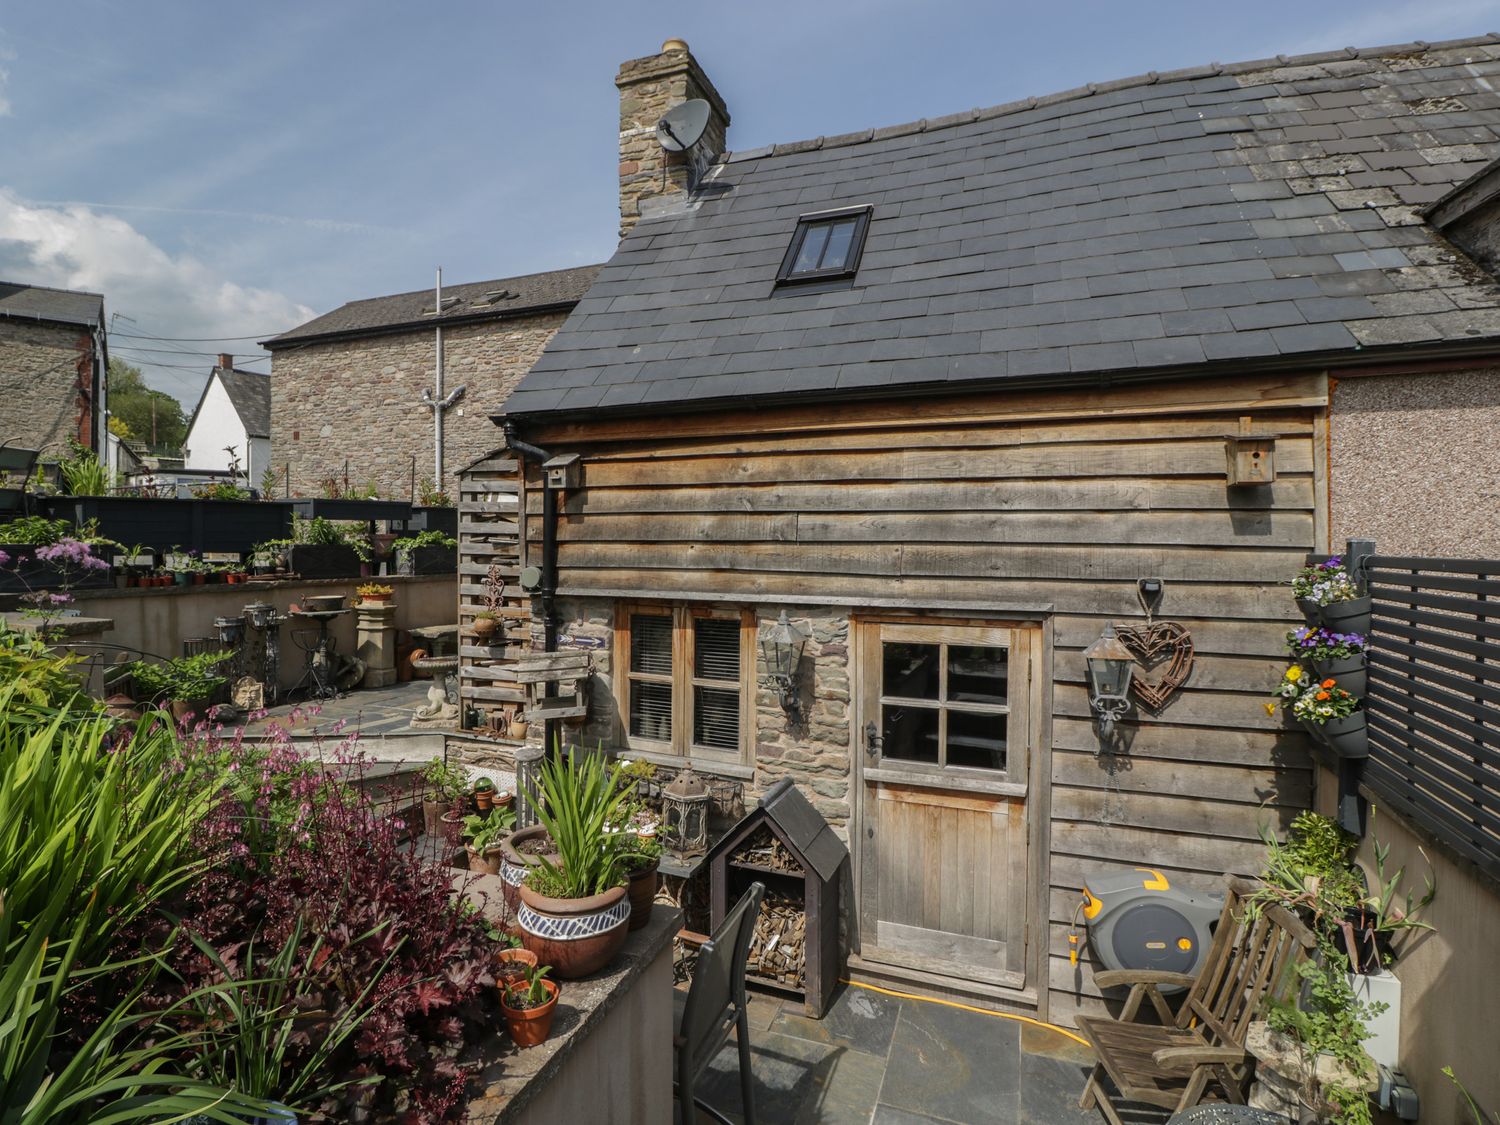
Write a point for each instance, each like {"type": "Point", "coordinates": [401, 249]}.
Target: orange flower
{"type": "Point", "coordinates": [1321, 697]}
{"type": "Point", "coordinates": [1328, 683]}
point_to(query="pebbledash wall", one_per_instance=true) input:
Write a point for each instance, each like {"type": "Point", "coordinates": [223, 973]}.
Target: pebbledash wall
{"type": "Point", "coordinates": [361, 399]}
{"type": "Point", "coordinates": [45, 372]}
{"type": "Point", "coordinates": [1414, 462]}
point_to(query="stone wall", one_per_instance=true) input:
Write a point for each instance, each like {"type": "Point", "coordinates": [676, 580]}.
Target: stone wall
{"type": "Point", "coordinates": [648, 88]}
{"type": "Point", "coordinates": [1414, 463]}
{"type": "Point", "coordinates": [362, 400]}
{"type": "Point", "coordinates": [45, 373]}
{"type": "Point", "coordinates": [814, 752]}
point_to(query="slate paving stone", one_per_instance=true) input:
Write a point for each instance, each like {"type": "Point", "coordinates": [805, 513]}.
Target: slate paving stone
{"type": "Point", "coordinates": [858, 1019]}
{"type": "Point", "coordinates": [957, 1065]}
{"type": "Point", "coordinates": [796, 1082]}
{"type": "Point", "coordinates": [890, 1115]}
{"type": "Point", "coordinates": [1050, 1089]}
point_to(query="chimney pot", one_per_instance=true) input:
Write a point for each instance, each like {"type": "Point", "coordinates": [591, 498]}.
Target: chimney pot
{"type": "Point", "coordinates": [674, 45]}
{"type": "Point", "coordinates": [226, 361]}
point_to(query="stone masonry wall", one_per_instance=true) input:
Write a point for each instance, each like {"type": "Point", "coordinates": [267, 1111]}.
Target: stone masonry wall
{"type": "Point", "coordinates": [40, 369]}
{"type": "Point", "coordinates": [814, 753]}
{"type": "Point", "coordinates": [362, 400]}
{"type": "Point", "coordinates": [1415, 465]}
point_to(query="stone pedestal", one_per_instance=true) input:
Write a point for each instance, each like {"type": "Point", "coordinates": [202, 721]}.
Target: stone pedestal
{"type": "Point", "coordinates": [1283, 1072]}
{"type": "Point", "coordinates": [375, 642]}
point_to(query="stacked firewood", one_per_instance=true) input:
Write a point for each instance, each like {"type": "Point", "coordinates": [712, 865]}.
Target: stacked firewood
{"type": "Point", "coordinates": [778, 946]}
{"type": "Point", "coordinates": [764, 850]}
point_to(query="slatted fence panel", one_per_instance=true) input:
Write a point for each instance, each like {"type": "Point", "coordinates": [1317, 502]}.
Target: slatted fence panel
{"type": "Point", "coordinates": [490, 511]}
{"type": "Point", "coordinates": [1434, 699]}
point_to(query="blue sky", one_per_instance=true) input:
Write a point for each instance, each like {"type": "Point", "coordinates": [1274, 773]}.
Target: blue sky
{"type": "Point", "coordinates": [230, 170]}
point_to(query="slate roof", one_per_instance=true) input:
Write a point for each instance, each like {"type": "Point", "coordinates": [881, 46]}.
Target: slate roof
{"type": "Point", "coordinates": [1261, 213]}
{"type": "Point", "coordinates": [61, 306]}
{"type": "Point", "coordinates": [250, 392]}
{"type": "Point", "coordinates": [476, 301]}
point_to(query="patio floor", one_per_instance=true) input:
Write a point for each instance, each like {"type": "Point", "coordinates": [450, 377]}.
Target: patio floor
{"type": "Point", "coordinates": [372, 712]}
{"type": "Point", "coordinates": [883, 1060]}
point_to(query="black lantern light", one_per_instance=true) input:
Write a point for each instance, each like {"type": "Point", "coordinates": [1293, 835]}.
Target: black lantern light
{"type": "Point", "coordinates": [781, 649]}
{"type": "Point", "coordinates": [684, 814]}
{"type": "Point", "coordinates": [1109, 664]}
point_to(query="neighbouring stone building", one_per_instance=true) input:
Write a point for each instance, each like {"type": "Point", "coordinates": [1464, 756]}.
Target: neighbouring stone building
{"type": "Point", "coordinates": [347, 388]}
{"type": "Point", "coordinates": [52, 362]}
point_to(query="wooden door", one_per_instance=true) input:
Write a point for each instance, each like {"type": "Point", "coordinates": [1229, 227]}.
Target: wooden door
{"type": "Point", "coordinates": [948, 735]}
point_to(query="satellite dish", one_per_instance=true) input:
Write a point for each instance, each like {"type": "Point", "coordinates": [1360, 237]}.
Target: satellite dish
{"type": "Point", "coordinates": [681, 126]}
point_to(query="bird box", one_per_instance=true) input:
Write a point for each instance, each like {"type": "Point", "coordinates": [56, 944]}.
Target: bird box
{"type": "Point", "coordinates": [564, 471]}
{"type": "Point", "coordinates": [1251, 457]}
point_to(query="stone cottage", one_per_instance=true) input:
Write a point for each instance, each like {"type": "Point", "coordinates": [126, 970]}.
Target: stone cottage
{"type": "Point", "coordinates": [53, 357]}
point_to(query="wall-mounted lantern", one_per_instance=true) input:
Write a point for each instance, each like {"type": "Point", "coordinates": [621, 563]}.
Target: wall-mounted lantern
{"type": "Point", "coordinates": [781, 649]}
{"type": "Point", "coordinates": [684, 815]}
{"type": "Point", "coordinates": [1109, 667]}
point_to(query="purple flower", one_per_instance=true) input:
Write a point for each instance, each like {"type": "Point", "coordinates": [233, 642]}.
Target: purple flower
{"type": "Point", "coordinates": [4, 559]}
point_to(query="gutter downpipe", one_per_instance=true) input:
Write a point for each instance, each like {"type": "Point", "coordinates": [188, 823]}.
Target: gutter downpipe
{"type": "Point", "coordinates": [547, 590]}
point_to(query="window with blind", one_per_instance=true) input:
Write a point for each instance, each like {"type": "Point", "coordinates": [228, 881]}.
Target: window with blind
{"type": "Point", "coordinates": [682, 689]}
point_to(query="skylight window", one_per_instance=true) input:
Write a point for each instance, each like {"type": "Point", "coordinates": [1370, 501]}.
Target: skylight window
{"type": "Point", "coordinates": [825, 245]}
{"type": "Point", "coordinates": [448, 303]}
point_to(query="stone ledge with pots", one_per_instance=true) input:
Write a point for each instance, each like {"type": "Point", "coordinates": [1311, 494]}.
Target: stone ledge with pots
{"type": "Point", "coordinates": [609, 1056]}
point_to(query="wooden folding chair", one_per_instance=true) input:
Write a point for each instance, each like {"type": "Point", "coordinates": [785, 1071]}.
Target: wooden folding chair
{"type": "Point", "coordinates": [1197, 1054]}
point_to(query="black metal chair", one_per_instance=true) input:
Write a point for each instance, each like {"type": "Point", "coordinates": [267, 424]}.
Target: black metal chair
{"type": "Point", "coordinates": [715, 1007]}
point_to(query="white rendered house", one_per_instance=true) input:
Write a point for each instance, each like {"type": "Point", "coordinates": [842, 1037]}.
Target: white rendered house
{"type": "Point", "coordinates": [232, 420]}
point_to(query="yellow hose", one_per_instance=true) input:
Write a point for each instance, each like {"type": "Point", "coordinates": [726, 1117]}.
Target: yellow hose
{"type": "Point", "coordinates": [968, 1008]}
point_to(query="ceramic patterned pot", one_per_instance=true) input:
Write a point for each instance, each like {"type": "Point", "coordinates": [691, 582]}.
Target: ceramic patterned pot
{"type": "Point", "coordinates": [514, 865]}
{"type": "Point", "coordinates": [576, 936]}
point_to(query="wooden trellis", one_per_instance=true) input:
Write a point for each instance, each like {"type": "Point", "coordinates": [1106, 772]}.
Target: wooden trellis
{"type": "Point", "coordinates": [490, 506]}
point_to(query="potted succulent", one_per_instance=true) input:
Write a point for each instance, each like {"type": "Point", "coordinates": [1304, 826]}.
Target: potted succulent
{"type": "Point", "coordinates": [1328, 594]}
{"type": "Point", "coordinates": [484, 835]}
{"type": "Point", "coordinates": [1327, 654]}
{"type": "Point", "coordinates": [574, 912]}
{"type": "Point", "coordinates": [529, 1006]}
{"type": "Point", "coordinates": [375, 593]}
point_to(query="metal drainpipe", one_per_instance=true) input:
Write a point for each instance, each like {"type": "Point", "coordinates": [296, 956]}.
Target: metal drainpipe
{"type": "Point", "coordinates": [547, 591]}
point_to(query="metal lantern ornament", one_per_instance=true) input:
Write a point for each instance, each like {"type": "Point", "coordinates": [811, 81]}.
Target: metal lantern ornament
{"type": "Point", "coordinates": [1109, 663]}
{"type": "Point", "coordinates": [781, 649]}
{"type": "Point", "coordinates": [684, 814]}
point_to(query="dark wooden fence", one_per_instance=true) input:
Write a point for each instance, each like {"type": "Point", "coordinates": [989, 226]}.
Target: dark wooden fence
{"type": "Point", "coordinates": [1434, 699]}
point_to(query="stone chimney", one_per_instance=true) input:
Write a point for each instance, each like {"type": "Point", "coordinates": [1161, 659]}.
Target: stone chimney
{"type": "Point", "coordinates": [648, 88]}
{"type": "Point", "coordinates": [226, 361]}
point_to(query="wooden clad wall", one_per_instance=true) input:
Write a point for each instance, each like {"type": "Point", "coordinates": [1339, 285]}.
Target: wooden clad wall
{"type": "Point", "coordinates": [1060, 499]}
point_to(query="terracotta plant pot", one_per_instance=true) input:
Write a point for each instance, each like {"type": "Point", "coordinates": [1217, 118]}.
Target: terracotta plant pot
{"type": "Point", "coordinates": [531, 1026]}
{"type": "Point", "coordinates": [642, 892]}
{"type": "Point", "coordinates": [453, 828]}
{"type": "Point", "coordinates": [514, 864]}
{"type": "Point", "coordinates": [484, 799]}
{"type": "Point", "coordinates": [182, 708]}
{"type": "Point", "coordinates": [486, 864]}
{"type": "Point", "coordinates": [432, 816]}
{"type": "Point", "coordinates": [517, 729]}
{"type": "Point", "coordinates": [509, 963]}
{"type": "Point", "coordinates": [483, 628]}
{"type": "Point", "coordinates": [576, 936]}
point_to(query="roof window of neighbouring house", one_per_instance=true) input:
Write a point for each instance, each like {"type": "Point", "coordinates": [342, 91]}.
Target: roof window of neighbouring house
{"type": "Point", "coordinates": [448, 303]}
{"type": "Point", "coordinates": [825, 245]}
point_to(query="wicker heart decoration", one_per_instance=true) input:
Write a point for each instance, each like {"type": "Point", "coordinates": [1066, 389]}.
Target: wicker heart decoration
{"type": "Point", "coordinates": [1151, 645]}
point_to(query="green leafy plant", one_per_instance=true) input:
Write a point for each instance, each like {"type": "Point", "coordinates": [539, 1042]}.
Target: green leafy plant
{"type": "Point", "coordinates": [321, 532]}
{"type": "Point", "coordinates": [268, 483]}
{"type": "Point", "coordinates": [578, 801]}
{"type": "Point", "coordinates": [485, 832]}
{"type": "Point", "coordinates": [451, 783]}
{"type": "Point", "coordinates": [35, 531]}
{"type": "Point", "coordinates": [424, 539]}
{"type": "Point", "coordinates": [82, 474]}
{"type": "Point", "coordinates": [529, 991]}
{"type": "Point", "coordinates": [221, 490]}
{"type": "Point", "coordinates": [1479, 1116]}
{"type": "Point", "coordinates": [184, 677]}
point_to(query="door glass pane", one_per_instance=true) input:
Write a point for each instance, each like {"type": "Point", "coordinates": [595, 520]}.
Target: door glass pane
{"type": "Point", "coordinates": [911, 670]}
{"type": "Point", "coordinates": [840, 237]}
{"type": "Point", "coordinates": [716, 718]}
{"type": "Point", "coordinates": [976, 741]}
{"type": "Point", "coordinates": [716, 649]}
{"type": "Point", "coordinates": [813, 241]}
{"type": "Point", "coordinates": [651, 711]}
{"type": "Point", "coordinates": [909, 733]}
{"type": "Point", "coordinates": [977, 674]}
{"type": "Point", "coordinates": [651, 644]}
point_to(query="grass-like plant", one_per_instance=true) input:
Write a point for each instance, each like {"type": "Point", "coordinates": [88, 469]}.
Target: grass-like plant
{"type": "Point", "coordinates": [581, 805]}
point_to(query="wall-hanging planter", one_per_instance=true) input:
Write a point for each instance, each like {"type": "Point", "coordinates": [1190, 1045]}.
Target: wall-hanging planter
{"type": "Point", "coordinates": [1347, 617]}
{"type": "Point", "coordinates": [1309, 610]}
{"type": "Point", "coordinates": [1348, 737]}
{"type": "Point", "coordinates": [1349, 671]}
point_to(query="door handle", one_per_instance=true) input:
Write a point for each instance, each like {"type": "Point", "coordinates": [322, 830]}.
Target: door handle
{"type": "Point", "coordinates": [872, 739]}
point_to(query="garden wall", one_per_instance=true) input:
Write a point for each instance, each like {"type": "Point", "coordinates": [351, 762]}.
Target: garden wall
{"type": "Point", "coordinates": [1449, 988]}
{"type": "Point", "coordinates": [158, 621]}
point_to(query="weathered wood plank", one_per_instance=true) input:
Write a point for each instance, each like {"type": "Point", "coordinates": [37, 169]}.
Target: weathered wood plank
{"type": "Point", "coordinates": [1155, 459]}
{"type": "Point", "coordinates": [1162, 740]}
{"type": "Point", "coordinates": [1209, 782]}
{"type": "Point", "coordinates": [1151, 848]}
{"type": "Point", "coordinates": [1289, 492]}
{"type": "Point", "coordinates": [1214, 709]}
{"type": "Point", "coordinates": [1210, 671]}
{"type": "Point", "coordinates": [1243, 528]}
{"type": "Point", "coordinates": [1250, 394]}
{"type": "Point", "coordinates": [1169, 812]}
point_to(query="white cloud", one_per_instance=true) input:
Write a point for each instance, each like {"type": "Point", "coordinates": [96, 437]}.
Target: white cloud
{"type": "Point", "coordinates": [6, 55]}
{"type": "Point", "coordinates": [76, 247]}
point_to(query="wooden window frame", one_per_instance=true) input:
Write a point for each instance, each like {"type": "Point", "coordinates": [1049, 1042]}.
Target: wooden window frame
{"type": "Point", "coordinates": [786, 275]}
{"type": "Point", "coordinates": [681, 746]}
{"type": "Point", "coordinates": [1014, 638]}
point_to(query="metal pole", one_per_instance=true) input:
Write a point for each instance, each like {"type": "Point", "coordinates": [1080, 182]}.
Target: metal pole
{"type": "Point", "coordinates": [437, 411]}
